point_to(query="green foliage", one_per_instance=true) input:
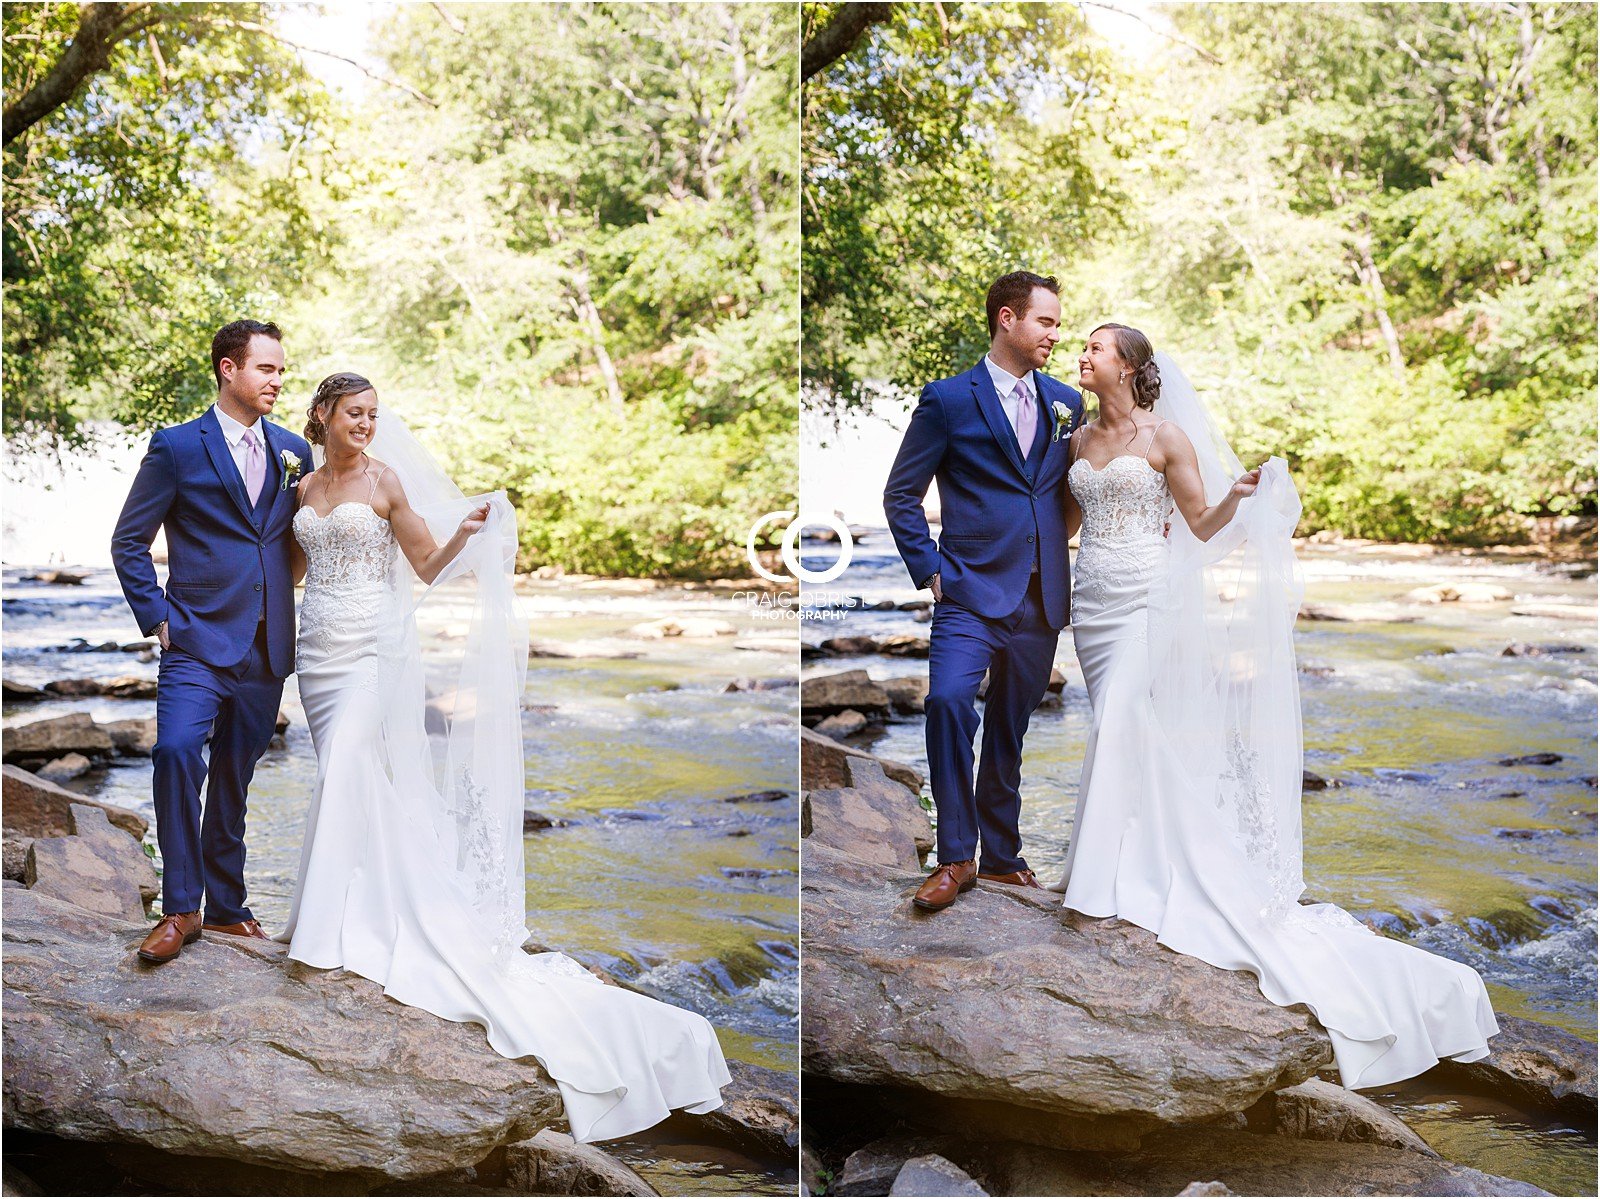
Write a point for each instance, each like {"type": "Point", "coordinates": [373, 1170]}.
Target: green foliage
{"type": "Point", "coordinates": [948, 147]}
{"type": "Point", "coordinates": [1310, 173]}
{"type": "Point", "coordinates": [565, 250]}
{"type": "Point", "coordinates": [162, 201]}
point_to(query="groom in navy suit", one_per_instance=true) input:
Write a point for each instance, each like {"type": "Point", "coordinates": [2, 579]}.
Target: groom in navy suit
{"type": "Point", "coordinates": [222, 486]}
{"type": "Point", "coordinates": [995, 438]}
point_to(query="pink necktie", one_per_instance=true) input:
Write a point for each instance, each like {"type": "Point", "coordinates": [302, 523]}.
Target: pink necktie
{"type": "Point", "coordinates": [1027, 419]}
{"type": "Point", "coordinates": [255, 465]}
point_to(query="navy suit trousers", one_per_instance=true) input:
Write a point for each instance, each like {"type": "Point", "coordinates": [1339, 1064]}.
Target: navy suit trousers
{"type": "Point", "coordinates": [1018, 651]}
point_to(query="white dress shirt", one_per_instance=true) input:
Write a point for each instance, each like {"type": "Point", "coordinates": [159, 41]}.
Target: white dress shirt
{"type": "Point", "coordinates": [1005, 383]}
{"type": "Point", "coordinates": [234, 432]}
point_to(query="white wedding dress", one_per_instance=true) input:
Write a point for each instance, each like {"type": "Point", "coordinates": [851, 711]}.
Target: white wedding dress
{"type": "Point", "coordinates": [1153, 844]}
{"type": "Point", "coordinates": [376, 894]}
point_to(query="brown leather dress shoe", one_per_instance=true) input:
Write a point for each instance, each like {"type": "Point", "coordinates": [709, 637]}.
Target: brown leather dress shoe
{"type": "Point", "coordinates": [246, 928]}
{"type": "Point", "coordinates": [169, 936]}
{"type": "Point", "coordinates": [1020, 878]}
{"type": "Point", "coordinates": [948, 880]}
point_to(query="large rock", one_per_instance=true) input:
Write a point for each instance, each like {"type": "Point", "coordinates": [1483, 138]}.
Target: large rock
{"type": "Point", "coordinates": [830, 694]}
{"type": "Point", "coordinates": [931, 1174]}
{"type": "Point", "coordinates": [63, 769]}
{"type": "Point", "coordinates": [234, 1052]}
{"type": "Point", "coordinates": [1533, 1063]}
{"type": "Point", "coordinates": [841, 724]}
{"type": "Point", "coordinates": [822, 763]}
{"type": "Point", "coordinates": [36, 807]}
{"type": "Point", "coordinates": [759, 1110]}
{"type": "Point", "coordinates": [1246, 1163]}
{"type": "Point", "coordinates": [552, 1163]}
{"type": "Point", "coordinates": [135, 737]}
{"type": "Point", "coordinates": [872, 817]}
{"type": "Point", "coordinates": [99, 867]}
{"type": "Point", "coordinates": [53, 736]}
{"type": "Point", "coordinates": [903, 645]}
{"type": "Point", "coordinates": [908, 695]}
{"type": "Point", "coordinates": [1324, 1111]}
{"type": "Point", "coordinates": [127, 686]}
{"type": "Point", "coordinates": [1007, 997]}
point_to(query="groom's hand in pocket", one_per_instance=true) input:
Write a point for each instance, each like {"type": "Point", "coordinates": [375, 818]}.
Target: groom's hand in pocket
{"type": "Point", "coordinates": [161, 636]}
{"type": "Point", "coordinates": [933, 584]}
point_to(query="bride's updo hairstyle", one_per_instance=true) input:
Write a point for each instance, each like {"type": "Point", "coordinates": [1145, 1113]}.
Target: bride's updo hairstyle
{"type": "Point", "coordinates": [1134, 348]}
{"type": "Point", "coordinates": [330, 391]}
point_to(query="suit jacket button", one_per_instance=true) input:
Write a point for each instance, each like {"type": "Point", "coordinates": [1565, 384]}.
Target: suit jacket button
{"type": "Point", "coordinates": [258, 585]}
{"type": "Point", "coordinates": [1030, 542]}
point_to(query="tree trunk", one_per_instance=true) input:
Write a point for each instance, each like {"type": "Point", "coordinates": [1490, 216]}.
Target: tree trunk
{"type": "Point", "coordinates": [583, 302]}
{"type": "Point", "coordinates": [741, 124]}
{"type": "Point", "coordinates": [1367, 272]}
{"type": "Point", "coordinates": [89, 51]}
{"type": "Point", "coordinates": [834, 40]}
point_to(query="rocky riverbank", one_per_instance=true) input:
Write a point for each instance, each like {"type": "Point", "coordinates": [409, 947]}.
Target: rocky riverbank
{"type": "Point", "coordinates": [237, 1071]}
{"type": "Point", "coordinates": [1007, 1046]}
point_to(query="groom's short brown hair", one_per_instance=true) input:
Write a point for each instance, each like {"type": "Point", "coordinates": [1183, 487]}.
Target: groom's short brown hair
{"type": "Point", "coordinates": [232, 342]}
{"type": "Point", "coordinates": [1015, 291]}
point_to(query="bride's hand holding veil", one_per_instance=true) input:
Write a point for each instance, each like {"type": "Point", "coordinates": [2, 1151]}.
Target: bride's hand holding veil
{"type": "Point", "coordinates": [427, 557]}
{"type": "Point", "coordinates": [1182, 468]}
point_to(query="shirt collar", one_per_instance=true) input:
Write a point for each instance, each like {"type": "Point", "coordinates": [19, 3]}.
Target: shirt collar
{"type": "Point", "coordinates": [1004, 381]}
{"type": "Point", "coordinates": [232, 429]}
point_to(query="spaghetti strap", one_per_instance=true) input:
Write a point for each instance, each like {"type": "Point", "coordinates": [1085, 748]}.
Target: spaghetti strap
{"type": "Point", "coordinates": [373, 490]}
{"type": "Point", "coordinates": [1152, 441]}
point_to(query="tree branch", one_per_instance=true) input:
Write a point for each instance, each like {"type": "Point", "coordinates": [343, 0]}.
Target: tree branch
{"type": "Point", "coordinates": [88, 52]}
{"type": "Point", "coordinates": [835, 39]}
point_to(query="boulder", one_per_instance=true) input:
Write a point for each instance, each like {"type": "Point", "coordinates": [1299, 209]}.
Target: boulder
{"type": "Point", "coordinates": [872, 1169]}
{"type": "Point", "coordinates": [126, 686]}
{"type": "Point", "coordinates": [236, 1053]}
{"type": "Point", "coordinates": [20, 692]}
{"type": "Point", "coordinates": [908, 695]}
{"type": "Point", "coordinates": [931, 1174]}
{"type": "Point", "coordinates": [847, 647]}
{"type": "Point", "coordinates": [98, 867]}
{"type": "Point", "coordinates": [14, 856]}
{"type": "Point", "coordinates": [56, 735]}
{"type": "Point", "coordinates": [552, 1163]}
{"type": "Point", "coordinates": [874, 818]}
{"type": "Point", "coordinates": [36, 807]}
{"type": "Point", "coordinates": [1323, 1111]}
{"type": "Point", "coordinates": [1245, 1163]}
{"type": "Point", "coordinates": [63, 769]}
{"type": "Point", "coordinates": [841, 724]}
{"type": "Point", "coordinates": [534, 821]}
{"type": "Point", "coordinates": [133, 738]}
{"type": "Point", "coordinates": [903, 645]}
{"type": "Point", "coordinates": [745, 683]}
{"type": "Point", "coordinates": [759, 1111]}
{"type": "Point", "coordinates": [822, 763]}
{"type": "Point", "coordinates": [1556, 611]}
{"type": "Point", "coordinates": [1459, 593]}
{"type": "Point", "coordinates": [682, 626]}
{"type": "Point", "coordinates": [1009, 998]}
{"type": "Point", "coordinates": [828, 694]}
{"type": "Point", "coordinates": [1532, 1063]}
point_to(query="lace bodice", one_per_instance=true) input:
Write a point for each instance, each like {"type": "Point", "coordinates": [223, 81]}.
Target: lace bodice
{"type": "Point", "coordinates": [351, 546]}
{"type": "Point", "coordinates": [1126, 500]}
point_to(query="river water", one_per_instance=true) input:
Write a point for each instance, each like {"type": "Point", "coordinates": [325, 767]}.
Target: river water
{"type": "Point", "coordinates": [661, 874]}
{"type": "Point", "coordinates": [1411, 709]}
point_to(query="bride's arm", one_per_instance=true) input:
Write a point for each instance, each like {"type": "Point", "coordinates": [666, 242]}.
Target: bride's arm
{"type": "Point", "coordinates": [297, 556]}
{"type": "Point", "coordinates": [1182, 469]}
{"type": "Point", "coordinates": [1074, 513]}
{"type": "Point", "coordinates": [426, 556]}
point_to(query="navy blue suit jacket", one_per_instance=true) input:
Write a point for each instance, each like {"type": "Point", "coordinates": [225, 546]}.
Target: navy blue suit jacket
{"type": "Point", "coordinates": [228, 562]}
{"type": "Point", "coordinates": [995, 511]}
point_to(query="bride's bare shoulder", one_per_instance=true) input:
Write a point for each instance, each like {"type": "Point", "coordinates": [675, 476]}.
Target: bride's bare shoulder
{"type": "Point", "coordinates": [1170, 444]}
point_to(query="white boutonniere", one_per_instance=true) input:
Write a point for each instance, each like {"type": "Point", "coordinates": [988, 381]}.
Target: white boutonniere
{"type": "Point", "coordinates": [291, 469]}
{"type": "Point", "coordinates": [1063, 418]}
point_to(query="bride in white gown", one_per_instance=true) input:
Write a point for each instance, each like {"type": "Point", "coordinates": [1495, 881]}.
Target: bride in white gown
{"type": "Point", "coordinates": [1188, 816]}
{"type": "Point", "coordinates": [412, 870]}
